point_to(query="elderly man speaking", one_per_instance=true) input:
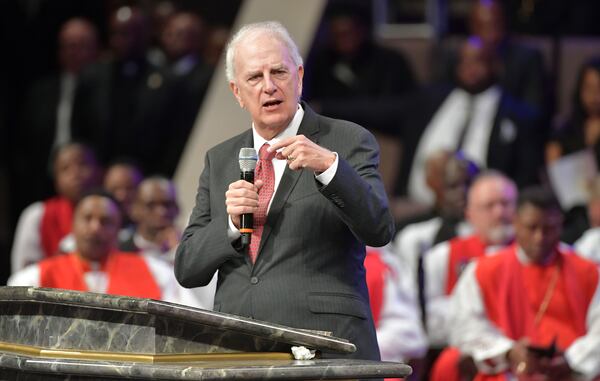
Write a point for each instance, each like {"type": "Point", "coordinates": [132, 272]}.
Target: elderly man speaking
{"type": "Point", "coordinates": [316, 201]}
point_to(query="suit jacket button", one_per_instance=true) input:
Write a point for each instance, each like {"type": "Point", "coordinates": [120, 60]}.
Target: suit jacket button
{"type": "Point", "coordinates": [254, 280]}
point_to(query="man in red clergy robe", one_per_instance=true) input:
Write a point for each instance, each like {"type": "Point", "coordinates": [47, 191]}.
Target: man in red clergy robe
{"type": "Point", "coordinates": [530, 298]}
{"type": "Point", "coordinates": [490, 210]}
{"type": "Point", "coordinates": [96, 265]}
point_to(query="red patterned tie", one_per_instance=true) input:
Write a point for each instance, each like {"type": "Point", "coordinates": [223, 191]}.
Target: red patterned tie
{"type": "Point", "coordinates": [265, 172]}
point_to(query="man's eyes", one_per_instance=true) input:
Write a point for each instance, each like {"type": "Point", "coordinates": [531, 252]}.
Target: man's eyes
{"type": "Point", "coordinates": [279, 73]}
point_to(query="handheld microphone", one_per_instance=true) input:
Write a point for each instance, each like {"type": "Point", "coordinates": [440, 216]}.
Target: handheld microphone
{"type": "Point", "coordinates": [247, 159]}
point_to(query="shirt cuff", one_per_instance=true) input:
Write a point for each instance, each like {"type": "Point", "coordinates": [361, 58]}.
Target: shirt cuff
{"type": "Point", "coordinates": [232, 232]}
{"type": "Point", "coordinates": [326, 177]}
{"type": "Point", "coordinates": [492, 360]}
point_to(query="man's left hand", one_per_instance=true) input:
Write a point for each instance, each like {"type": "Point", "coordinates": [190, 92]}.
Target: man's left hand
{"type": "Point", "coordinates": [301, 152]}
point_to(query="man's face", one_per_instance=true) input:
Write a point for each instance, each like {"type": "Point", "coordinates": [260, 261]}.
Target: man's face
{"type": "Point", "coordinates": [155, 208]}
{"type": "Point", "coordinates": [122, 182]}
{"type": "Point", "coordinates": [181, 36]}
{"type": "Point", "coordinates": [267, 83]}
{"type": "Point", "coordinates": [538, 231]}
{"type": "Point", "coordinates": [491, 209]}
{"type": "Point", "coordinates": [347, 35]}
{"type": "Point", "coordinates": [96, 225]}
{"type": "Point", "coordinates": [77, 46]}
{"type": "Point", "coordinates": [75, 172]}
{"type": "Point", "coordinates": [475, 70]}
{"type": "Point", "coordinates": [456, 183]}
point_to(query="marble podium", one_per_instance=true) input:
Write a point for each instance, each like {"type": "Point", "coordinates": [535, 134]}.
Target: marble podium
{"type": "Point", "coordinates": [50, 334]}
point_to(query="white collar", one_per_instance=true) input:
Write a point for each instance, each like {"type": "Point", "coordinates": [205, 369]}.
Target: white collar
{"type": "Point", "coordinates": [290, 130]}
{"type": "Point", "coordinates": [524, 259]}
{"type": "Point", "coordinates": [144, 244]}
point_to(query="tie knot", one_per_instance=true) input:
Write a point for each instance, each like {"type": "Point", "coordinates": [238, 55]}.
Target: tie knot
{"type": "Point", "coordinates": [263, 154]}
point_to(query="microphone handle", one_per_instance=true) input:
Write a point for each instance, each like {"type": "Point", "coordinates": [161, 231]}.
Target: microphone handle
{"type": "Point", "coordinates": [246, 222]}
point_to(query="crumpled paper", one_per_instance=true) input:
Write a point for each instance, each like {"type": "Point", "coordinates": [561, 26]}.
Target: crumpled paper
{"type": "Point", "coordinates": [303, 353]}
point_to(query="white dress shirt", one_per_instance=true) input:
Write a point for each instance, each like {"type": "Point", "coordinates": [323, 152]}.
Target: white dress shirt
{"type": "Point", "coordinates": [444, 130]}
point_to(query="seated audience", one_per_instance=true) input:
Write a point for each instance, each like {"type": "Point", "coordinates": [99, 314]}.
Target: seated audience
{"type": "Point", "coordinates": [531, 311]}
{"type": "Point", "coordinates": [43, 225]}
{"type": "Point", "coordinates": [95, 264]}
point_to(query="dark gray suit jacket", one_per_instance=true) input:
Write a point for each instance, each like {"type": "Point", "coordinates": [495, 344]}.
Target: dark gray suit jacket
{"type": "Point", "coordinates": [309, 272]}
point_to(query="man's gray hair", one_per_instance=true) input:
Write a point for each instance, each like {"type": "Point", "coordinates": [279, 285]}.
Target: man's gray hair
{"type": "Point", "coordinates": [272, 28]}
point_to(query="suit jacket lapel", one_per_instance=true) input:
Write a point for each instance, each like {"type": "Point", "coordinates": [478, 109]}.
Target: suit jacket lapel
{"type": "Point", "coordinates": [309, 127]}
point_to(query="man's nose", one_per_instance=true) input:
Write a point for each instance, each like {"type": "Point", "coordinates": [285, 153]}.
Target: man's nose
{"type": "Point", "coordinates": [269, 85]}
{"type": "Point", "coordinates": [95, 225]}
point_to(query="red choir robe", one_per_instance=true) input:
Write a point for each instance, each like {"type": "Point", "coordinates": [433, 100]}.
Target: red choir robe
{"type": "Point", "coordinates": [513, 293]}
{"type": "Point", "coordinates": [57, 220]}
{"type": "Point", "coordinates": [376, 272]}
{"type": "Point", "coordinates": [128, 274]}
{"type": "Point", "coordinates": [462, 252]}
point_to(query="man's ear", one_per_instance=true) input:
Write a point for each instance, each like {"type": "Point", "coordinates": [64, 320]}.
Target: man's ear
{"type": "Point", "coordinates": [300, 76]}
{"type": "Point", "coordinates": [236, 93]}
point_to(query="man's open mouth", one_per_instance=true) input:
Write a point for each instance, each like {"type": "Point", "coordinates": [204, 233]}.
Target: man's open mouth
{"type": "Point", "coordinates": [272, 103]}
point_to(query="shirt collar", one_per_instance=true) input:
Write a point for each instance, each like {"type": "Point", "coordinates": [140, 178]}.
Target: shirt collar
{"type": "Point", "coordinates": [524, 259]}
{"type": "Point", "coordinates": [144, 244]}
{"type": "Point", "coordinates": [290, 130]}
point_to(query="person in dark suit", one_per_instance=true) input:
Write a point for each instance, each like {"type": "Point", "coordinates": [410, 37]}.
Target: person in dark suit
{"type": "Point", "coordinates": [46, 113]}
{"type": "Point", "coordinates": [124, 98]}
{"type": "Point", "coordinates": [477, 117]}
{"type": "Point", "coordinates": [304, 264]}
{"type": "Point", "coordinates": [353, 75]}
{"type": "Point", "coordinates": [521, 69]}
{"type": "Point", "coordinates": [182, 41]}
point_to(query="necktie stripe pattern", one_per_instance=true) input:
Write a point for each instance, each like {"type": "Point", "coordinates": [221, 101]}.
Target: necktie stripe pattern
{"type": "Point", "coordinates": [266, 173]}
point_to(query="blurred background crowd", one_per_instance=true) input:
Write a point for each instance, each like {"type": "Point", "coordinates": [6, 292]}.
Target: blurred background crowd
{"type": "Point", "coordinates": [104, 93]}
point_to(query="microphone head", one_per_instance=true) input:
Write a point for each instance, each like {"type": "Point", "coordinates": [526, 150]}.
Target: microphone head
{"type": "Point", "coordinates": [248, 158]}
